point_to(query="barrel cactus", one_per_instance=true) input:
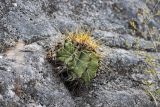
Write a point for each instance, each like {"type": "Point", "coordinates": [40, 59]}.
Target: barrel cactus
{"type": "Point", "coordinates": [79, 55]}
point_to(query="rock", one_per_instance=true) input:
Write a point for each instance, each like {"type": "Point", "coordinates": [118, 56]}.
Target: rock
{"type": "Point", "coordinates": [29, 77]}
{"type": "Point", "coordinates": [29, 28]}
{"type": "Point", "coordinates": [113, 39]}
{"type": "Point", "coordinates": [113, 98]}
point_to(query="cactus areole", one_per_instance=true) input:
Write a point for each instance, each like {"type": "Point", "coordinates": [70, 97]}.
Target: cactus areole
{"type": "Point", "coordinates": [79, 54]}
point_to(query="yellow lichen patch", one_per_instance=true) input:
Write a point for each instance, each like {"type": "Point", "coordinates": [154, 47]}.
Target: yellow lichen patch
{"type": "Point", "coordinates": [83, 38]}
{"type": "Point", "coordinates": [133, 24]}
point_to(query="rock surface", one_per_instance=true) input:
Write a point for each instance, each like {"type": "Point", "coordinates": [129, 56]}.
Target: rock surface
{"type": "Point", "coordinates": [129, 31]}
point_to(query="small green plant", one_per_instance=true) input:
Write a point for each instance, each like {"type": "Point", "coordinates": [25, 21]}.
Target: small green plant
{"type": "Point", "coordinates": [127, 44]}
{"type": "Point", "coordinates": [78, 54]}
{"type": "Point", "coordinates": [151, 71]}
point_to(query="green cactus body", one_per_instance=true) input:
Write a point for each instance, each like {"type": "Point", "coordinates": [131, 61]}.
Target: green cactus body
{"type": "Point", "coordinates": [81, 63]}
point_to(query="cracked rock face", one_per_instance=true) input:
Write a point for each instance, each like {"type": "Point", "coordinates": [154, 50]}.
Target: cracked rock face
{"type": "Point", "coordinates": [29, 27]}
{"type": "Point", "coordinates": [27, 79]}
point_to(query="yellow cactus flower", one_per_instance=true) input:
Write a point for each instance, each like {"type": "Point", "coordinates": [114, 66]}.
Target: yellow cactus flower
{"type": "Point", "coordinates": [83, 38]}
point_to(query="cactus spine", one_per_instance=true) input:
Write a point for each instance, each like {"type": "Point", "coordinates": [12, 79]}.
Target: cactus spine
{"type": "Point", "coordinates": [79, 55]}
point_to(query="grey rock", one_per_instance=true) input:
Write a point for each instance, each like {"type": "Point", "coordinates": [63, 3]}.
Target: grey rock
{"type": "Point", "coordinates": [29, 78]}
{"type": "Point", "coordinates": [125, 41]}
{"type": "Point", "coordinates": [28, 28]}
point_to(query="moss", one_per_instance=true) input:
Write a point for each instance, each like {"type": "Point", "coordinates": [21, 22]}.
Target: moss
{"type": "Point", "coordinates": [151, 71]}
{"type": "Point", "coordinates": [127, 44]}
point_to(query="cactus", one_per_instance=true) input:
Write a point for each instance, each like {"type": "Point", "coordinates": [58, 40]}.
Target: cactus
{"type": "Point", "coordinates": [79, 55]}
